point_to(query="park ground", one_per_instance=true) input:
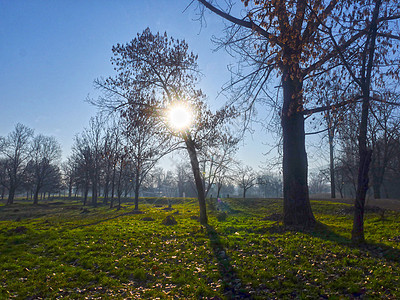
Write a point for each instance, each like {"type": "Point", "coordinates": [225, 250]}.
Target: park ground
{"type": "Point", "coordinates": [60, 249]}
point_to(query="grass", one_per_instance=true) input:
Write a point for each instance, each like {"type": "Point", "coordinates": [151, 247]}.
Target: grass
{"type": "Point", "coordinates": [59, 250]}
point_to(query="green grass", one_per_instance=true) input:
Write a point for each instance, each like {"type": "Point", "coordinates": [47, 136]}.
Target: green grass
{"type": "Point", "coordinates": [58, 250]}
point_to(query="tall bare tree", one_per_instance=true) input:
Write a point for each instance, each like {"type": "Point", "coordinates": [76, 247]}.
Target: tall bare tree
{"type": "Point", "coordinates": [369, 65]}
{"type": "Point", "coordinates": [15, 149]}
{"type": "Point", "coordinates": [145, 145]}
{"type": "Point", "coordinates": [68, 171]}
{"type": "Point", "coordinates": [45, 152]}
{"type": "Point", "coordinates": [88, 151]}
{"type": "Point", "coordinates": [293, 38]}
{"type": "Point", "coordinates": [154, 71]}
{"type": "Point", "coordinates": [217, 159]}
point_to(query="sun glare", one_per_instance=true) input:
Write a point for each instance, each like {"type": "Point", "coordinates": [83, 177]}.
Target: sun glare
{"type": "Point", "coordinates": [180, 116]}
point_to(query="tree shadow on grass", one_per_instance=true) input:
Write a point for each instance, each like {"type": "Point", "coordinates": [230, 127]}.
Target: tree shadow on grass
{"type": "Point", "coordinates": [232, 284]}
{"type": "Point", "coordinates": [324, 232]}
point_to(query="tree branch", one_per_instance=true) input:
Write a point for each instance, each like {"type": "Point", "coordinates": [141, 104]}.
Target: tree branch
{"type": "Point", "coordinates": [331, 106]}
{"type": "Point", "coordinates": [248, 24]}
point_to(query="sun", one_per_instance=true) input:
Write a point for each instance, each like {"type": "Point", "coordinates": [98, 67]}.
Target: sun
{"type": "Point", "coordinates": [180, 116]}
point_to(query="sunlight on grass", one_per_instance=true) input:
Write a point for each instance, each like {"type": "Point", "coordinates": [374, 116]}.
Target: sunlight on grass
{"type": "Point", "coordinates": [117, 254]}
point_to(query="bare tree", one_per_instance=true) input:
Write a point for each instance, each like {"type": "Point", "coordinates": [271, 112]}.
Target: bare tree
{"type": "Point", "coordinates": [297, 38]}
{"type": "Point", "coordinates": [317, 183]}
{"type": "Point", "coordinates": [384, 128]}
{"type": "Point", "coordinates": [3, 177]}
{"type": "Point", "coordinates": [69, 174]}
{"type": "Point", "coordinates": [154, 72]}
{"type": "Point", "coordinates": [205, 131]}
{"type": "Point", "coordinates": [15, 149]}
{"type": "Point", "coordinates": [284, 37]}
{"type": "Point", "coordinates": [145, 145]}
{"type": "Point", "coordinates": [88, 150]}
{"type": "Point", "coordinates": [182, 175]}
{"type": "Point", "coordinates": [365, 64]}
{"type": "Point", "coordinates": [216, 159]}
{"type": "Point", "coordinates": [45, 152]}
{"type": "Point", "coordinates": [53, 182]}
{"type": "Point", "coordinates": [246, 178]}
{"type": "Point", "coordinates": [269, 184]}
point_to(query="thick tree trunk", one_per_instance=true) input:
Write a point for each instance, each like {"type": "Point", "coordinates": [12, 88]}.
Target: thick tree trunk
{"type": "Point", "coordinates": [297, 208]}
{"type": "Point", "coordinates": [191, 149]}
{"type": "Point", "coordinates": [11, 195]}
{"type": "Point", "coordinates": [36, 196]}
{"type": "Point", "coordinates": [244, 193]}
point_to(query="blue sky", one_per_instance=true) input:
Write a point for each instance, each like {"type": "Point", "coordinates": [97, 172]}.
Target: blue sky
{"type": "Point", "coordinates": [51, 51]}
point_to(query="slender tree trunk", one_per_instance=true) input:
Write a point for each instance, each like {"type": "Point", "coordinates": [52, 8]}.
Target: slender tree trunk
{"type": "Point", "coordinates": [297, 208]}
{"type": "Point", "coordinates": [191, 149]}
{"type": "Point", "coordinates": [357, 234]}
{"type": "Point", "coordinates": [85, 196]}
{"type": "Point", "coordinates": [137, 188]}
{"type": "Point", "coordinates": [94, 193]}
{"type": "Point", "coordinates": [219, 186]}
{"type": "Point", "coordinates": [106, 190]}
{"type": "Point", "coordinates": [113, 187]}
{"type": "Point", "coordinates": [331, 131]}
{"type": "Point", "coordinates": [119, 200]}
{"type": "Point", "coordinates": [70, 191]}
{"type": "Point", "coordinates": [244, 193]}
{"type": "Point", "coordinates": [119, 191]}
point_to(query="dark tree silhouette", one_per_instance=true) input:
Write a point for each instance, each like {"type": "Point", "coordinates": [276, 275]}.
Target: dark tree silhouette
{"type": "Point", "coordinates": [155, 71]}
{"type": "Point", "coordinates": [45, 152]}
{"type": "Point", "coordinates": [15, 149]}
{"type": "Point", "coordinates": [293, 37]}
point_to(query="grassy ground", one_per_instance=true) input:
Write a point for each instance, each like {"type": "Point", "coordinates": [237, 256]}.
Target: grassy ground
{"type": "Point", "coordinates": [60, 250]}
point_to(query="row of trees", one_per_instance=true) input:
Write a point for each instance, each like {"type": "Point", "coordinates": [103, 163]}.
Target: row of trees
{"type": "Point", "coordinates": [104, 162]}
{"type": "Point", "coordinates": [29, 162]}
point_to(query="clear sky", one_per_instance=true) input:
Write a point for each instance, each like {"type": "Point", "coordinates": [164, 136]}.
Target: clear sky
{"type": "Point", "coordinates": [51, 51]}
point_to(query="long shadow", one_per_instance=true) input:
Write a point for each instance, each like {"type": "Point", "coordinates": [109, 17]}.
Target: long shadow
{"type": "Point", "coordinates": [322, 231]}
{"type": "Point", "coordinates": [232, 284]}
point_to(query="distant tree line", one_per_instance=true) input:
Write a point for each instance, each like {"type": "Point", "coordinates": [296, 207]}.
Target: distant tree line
{"type": "Point", "coordinates": [29, 163]}
{"type": "Point", "coordinates": [104, 165]}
